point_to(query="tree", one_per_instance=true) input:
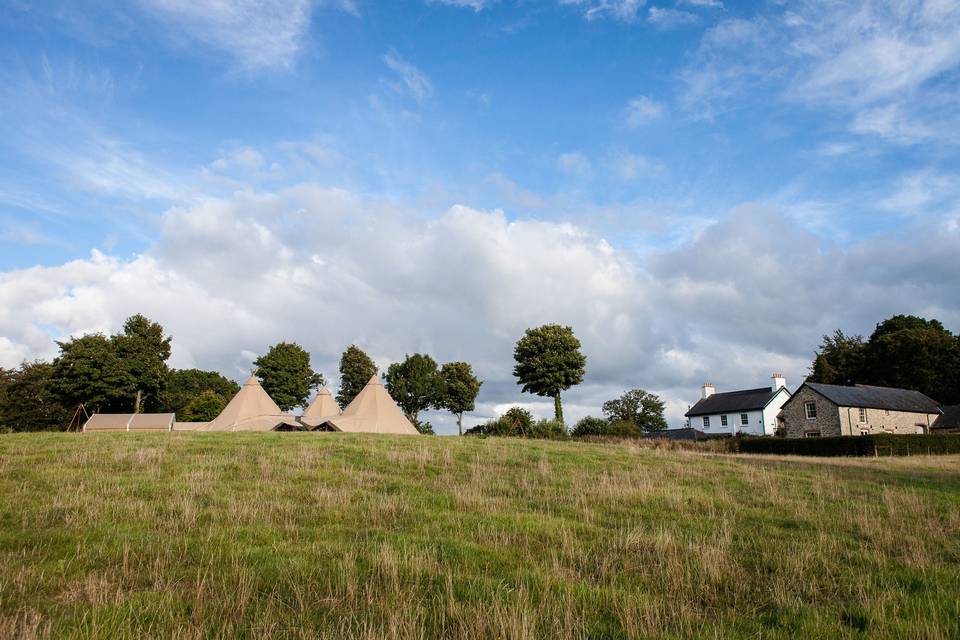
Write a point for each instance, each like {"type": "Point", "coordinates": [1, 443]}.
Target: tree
{"type": "Point", "coordinates": [839, 360]}
{"type": "Point", "coordinates": [286, 375]}
{"type": "Point", "coordinates": [28, 401]}
{"type": "Point", "coordinates": [144, 351]}
{"type": "Point", "coordinates": [915, 353]}
{"type": "Point", "coordinates": [203, 408]}
{"type": "Point", "coordinates": [640, 407]}
{"type": "Point", "coordinates": [591, 426]}
{"type": "Point", "coordinates": [458, 390]}
{"type": "Point", "coordinates": [356, 369]}
{"type": "Point", "coordinates": [88, 370]}
{"type": "Point", "coordinates": [414, 384]}
{"type": "Point", "coordinates": [184, 385]}
{"type": "Point", "coordinates": [548, 362]}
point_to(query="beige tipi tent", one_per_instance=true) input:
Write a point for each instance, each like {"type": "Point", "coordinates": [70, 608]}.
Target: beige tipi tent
{"type": "Point", "coordinates": [320, 410]}
{"type": "Point", "coordinates": [251, 410]}
{"type": "Point", "coordinates": [372, 411]}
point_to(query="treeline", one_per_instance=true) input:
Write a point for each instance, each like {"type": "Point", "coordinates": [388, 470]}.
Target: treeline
{"type": "Point", "coordinates": [903, 351]}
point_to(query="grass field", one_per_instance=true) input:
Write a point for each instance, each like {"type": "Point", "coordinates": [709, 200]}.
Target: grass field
{"type": "Point", "coordinates": [347, 536]}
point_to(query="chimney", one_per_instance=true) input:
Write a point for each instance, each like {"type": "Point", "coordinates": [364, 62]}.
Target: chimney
{"type": "Point", "coordinates": [707, 390]}
{"type": "Point", "coordinates": [779, 381]}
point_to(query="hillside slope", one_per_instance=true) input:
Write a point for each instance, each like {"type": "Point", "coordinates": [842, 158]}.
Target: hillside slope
{"type": "Point", "coordinates": [334, 535]}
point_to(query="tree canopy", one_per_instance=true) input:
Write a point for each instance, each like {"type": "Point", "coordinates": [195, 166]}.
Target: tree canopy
{"type": "Point", "coordinates": [206, 406]}
{"type": "Point", "coordinates": [356, 369]}
{"type": "Point", "coordinates": [414, 384]}
{"type": "Point", "coordinates": [144, 351]}
{"type": "Point", "coordinates": [90, 371]}
{"type": "Point", "coordinates": [548, 362]}
{"type": "Point", "coordinates": [28, 401]}
{"type": "Point", "coordinates": [185, 385]}
{"type": "Point", "coordinates": [903, 351]}
{"type": "Point", "coordinates": [458, 390]}
{"type": "Point", "coordinates": [285, 373]}
{"type": "Point", "coordinates": [642, 408]}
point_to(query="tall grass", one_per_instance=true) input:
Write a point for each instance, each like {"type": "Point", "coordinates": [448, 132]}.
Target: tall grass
{"type": "Point", "coordinates": [351, 536]}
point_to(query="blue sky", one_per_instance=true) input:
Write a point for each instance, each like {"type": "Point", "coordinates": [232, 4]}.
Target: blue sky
{"type": "Point", "coordinates": [147, 134]}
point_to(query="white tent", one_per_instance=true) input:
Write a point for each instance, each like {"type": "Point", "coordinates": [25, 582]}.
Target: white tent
{"type": "Point", "coordinates": [130, 422]}
{"type": "Point", "coordinates": [372, 411]}
{"type": "Point", "coordinates": [251, 410]}
{"type": "Point", "coordinates": [320, 410]}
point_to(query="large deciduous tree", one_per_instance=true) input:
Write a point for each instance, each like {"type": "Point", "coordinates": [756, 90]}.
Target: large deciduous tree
{"type": "Point", "coordinates": [89, 371]}
{"type": "Point", "coordinates": [414, 384]}
{"type": "Point", "coordinates": [144, 351]}
{"type": "Point", "coordinates": [356, 369]}
{"type": "Point", "coordinates": [904, 351]}
{"type": "Point", "coordinates": [203, 408]}
{"type": "Point", "coordinates": [548, 362]}
{"type": "Point", "coordinates": [458, 390]}
{"type": "Point", "coordinates": [28, 401]}
{"type": "Point", "coordinates": [285, 373]}
{"type": "Point", "coordinates": [185, 385]}
{"type": "Point", "coordinates": [642, 408]}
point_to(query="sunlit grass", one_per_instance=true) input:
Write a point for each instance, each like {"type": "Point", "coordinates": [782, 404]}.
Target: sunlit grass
{"type": "Point", "coordinates": [352, 536]}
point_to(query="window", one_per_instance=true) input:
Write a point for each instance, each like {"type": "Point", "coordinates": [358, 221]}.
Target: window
{"type": "Point", "coordinates": [864, 431]}
{"type": "Point", "coordinates": [863, 415]}
{"type": "Point", "coordinates": [706, 422]}
{"type": "Point", "coordinates": [811, 434]}
{"type": "Point", "coordinates": [744, 419]}
{"type": "Point", "coordinates": [723, 421]}
{"type": "Point", "coordinates": [811, 410]}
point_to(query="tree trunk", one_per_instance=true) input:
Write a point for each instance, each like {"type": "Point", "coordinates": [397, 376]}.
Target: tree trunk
{"type": "Point", "coordinates": [557, 408]}
{"type": "Point", "coordinates": [460, 423]}
{"type": "Point", "coordinates": [136, 402]}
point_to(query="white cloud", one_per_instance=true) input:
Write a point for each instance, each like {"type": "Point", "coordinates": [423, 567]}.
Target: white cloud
{"type": "Point", "coordinates": [415, 80]}
{"type": "Point", "coordinates": [641, 111]}
{"type": "Point", "coordinates": [476, 5]}
{"type": "Point", "coordinates": [666, 18]}
{"type": "Point", "coordinates": [245, 159]}
{"type": "Point", "coordinates": [623, 10]}
{"type": "Point", "coordinates": [883, 66]}
{"type": "Point", "coordinates": [260, 34]}
{"type": "Point", "coordinates": [707, 4]}
{"type": "Point", "coordinates": [228, 277]}
{"type": "Point", "coordinates": [574, 163]}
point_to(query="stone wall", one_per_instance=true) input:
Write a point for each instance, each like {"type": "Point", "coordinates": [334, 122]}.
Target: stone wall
{"type": "Point", "coordinates": [881, 421]}
{"type": "Point", "coordinates": [795, 423]}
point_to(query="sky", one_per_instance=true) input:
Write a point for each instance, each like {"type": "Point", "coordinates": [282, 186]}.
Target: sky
{"type": "Point", "coordinates": [700, 188]}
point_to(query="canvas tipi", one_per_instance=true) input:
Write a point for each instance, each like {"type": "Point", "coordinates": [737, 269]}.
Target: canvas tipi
{"type": "Point", "coordinates": [372, 411]}
{"type": "Point", "coordinates": [320, 410]}
{"type": "Point", "coordinates": [251, 410]}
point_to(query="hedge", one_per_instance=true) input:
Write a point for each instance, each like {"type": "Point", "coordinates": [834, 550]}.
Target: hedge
{"type": "Point", "coordinates": [882, 444]}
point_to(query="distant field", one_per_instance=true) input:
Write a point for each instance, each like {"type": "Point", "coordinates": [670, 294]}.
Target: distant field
{"type": "Point", "coordinates": [334, 535]}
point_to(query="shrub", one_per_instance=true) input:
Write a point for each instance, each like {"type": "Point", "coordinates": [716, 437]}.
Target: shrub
{"type": "Point", "coordinates": [518, 423]}
{"type": "Point", "coordinates": [591, 426]}
{"type": "Point", "coordinates": [883, 444]}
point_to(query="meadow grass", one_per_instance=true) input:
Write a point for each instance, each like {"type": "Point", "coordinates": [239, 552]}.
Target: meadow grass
{"type": "Point", "coordinates": [352, 536]}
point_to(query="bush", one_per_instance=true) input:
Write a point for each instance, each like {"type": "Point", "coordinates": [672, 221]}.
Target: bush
{"type": "Point", "coordinates": [883, 444]}
{"type": "Point", "coordinates": [591, 426]}
{"type": "Point", "coordinates": [518, 423]}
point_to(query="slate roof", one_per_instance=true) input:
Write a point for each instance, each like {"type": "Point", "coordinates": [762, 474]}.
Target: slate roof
{"type": "Point", "coordinates": [732, 402]}
{"type": "Point", "coordinates": [950, 420]}
{"type": "Point", "coordinates": [889, 398]}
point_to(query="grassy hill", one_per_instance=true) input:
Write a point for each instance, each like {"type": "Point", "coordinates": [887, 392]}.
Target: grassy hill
{"type": "Point", "coordinates": [333, 535]}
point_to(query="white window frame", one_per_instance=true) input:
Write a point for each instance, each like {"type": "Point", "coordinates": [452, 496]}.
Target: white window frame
{"type": "Point", "coordinates": [862, 414]}
{"type": "Point", "coordinates": [723, 421]}
{"type": "Point", "coordinates": [864, 431]}
{"type": "Point", "coordinates": [807, 406]}
{"type": "Point", "coordinates": [744, 419]}
{"type": "Point", "coordinates": [706, 422]}
{"type": "Point", "coordinates": [811, 434]}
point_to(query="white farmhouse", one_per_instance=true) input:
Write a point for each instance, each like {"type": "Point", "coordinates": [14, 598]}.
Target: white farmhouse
{"type": "Point", "coordinates": [750, 412]}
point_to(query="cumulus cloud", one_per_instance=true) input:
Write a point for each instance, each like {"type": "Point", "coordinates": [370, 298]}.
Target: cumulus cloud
{"type": "Point", "coordinates": [326, 267]}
